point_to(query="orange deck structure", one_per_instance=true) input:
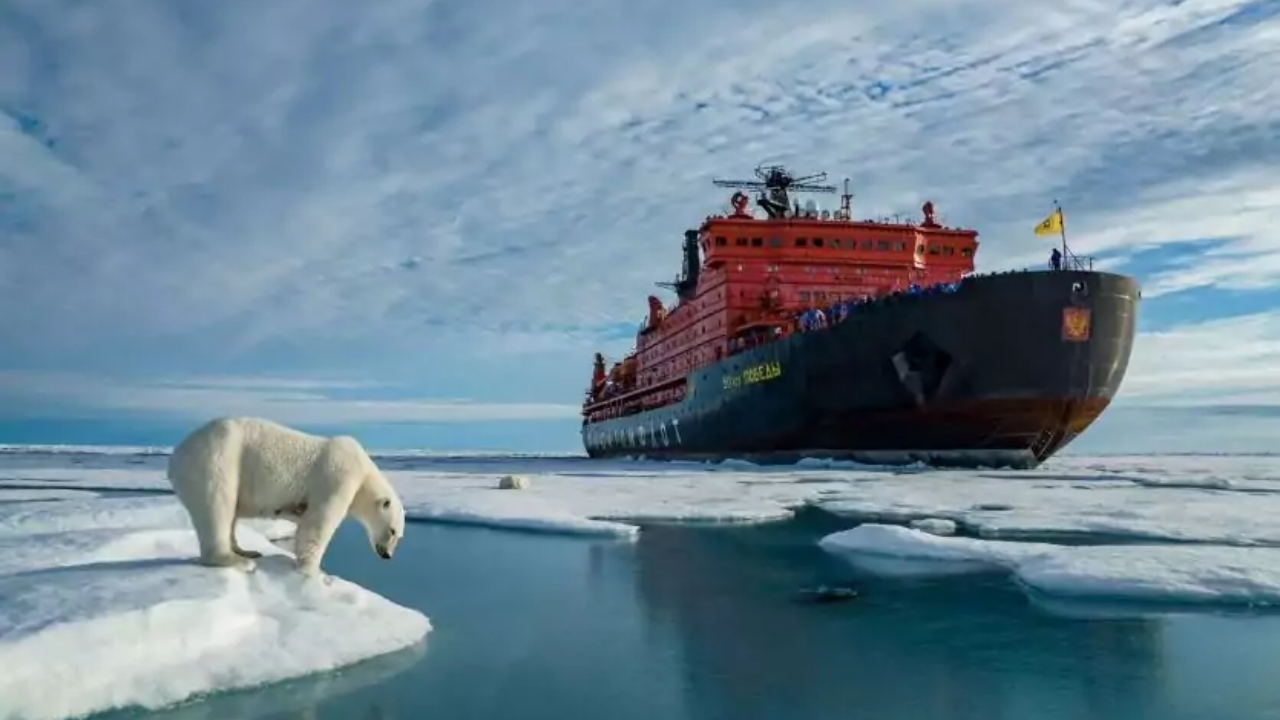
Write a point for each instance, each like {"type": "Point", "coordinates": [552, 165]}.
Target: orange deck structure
{"type": "Point", "coordinates": [747, 279]}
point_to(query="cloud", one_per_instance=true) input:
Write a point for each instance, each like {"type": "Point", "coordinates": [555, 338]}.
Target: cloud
{"type": "Point", "coordinates": [295, 401]}
{"type": "Point", "coordinates": [245, 181]}
{"type": "Point", "coordinates": [1225, 361]}
{"type": "Point", "coordinates": [465, 198]}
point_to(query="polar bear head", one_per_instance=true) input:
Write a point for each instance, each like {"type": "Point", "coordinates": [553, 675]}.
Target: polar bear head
{"type": "Point", "coordinates": [377, 507]}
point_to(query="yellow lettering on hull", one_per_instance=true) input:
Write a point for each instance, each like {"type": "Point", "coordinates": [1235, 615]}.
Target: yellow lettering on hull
{"type": "Point", "coordinates": [755, 374]}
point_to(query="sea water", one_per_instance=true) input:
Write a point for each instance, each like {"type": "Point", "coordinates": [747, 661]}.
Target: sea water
{"type": "Point", "coordinates": [713, 622]}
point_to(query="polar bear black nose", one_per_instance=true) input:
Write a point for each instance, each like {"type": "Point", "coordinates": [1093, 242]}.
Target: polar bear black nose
{"type": "Point", "coordinates": [382, 553]}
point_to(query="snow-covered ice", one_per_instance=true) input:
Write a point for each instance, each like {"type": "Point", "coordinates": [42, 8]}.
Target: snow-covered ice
{"type": "Point", "coordinates": [103, 606]}
{"type": "Point", "coordinates": [1204, 499]}
{"type": "Point", "coordinates": [1066, 501]}
{"type": "Point", "coordinates": [8, 495]}
{"type": "Point", "coordinates": [1207, 523]}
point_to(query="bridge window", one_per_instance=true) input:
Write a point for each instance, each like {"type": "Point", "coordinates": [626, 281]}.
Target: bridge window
{"type": "Point", "coordinates": [920, 249]}
{"type": "Point", "coordinates": [899, 246]}
{"type": "Point", "coordinates": [866, 244]}
{"type": "Point", "coordinates": [817, 242]}
{"type": "Point", "coordinates": [721, 241]}
{"type": "Point", "coordinates": [775, 242]}
{"type": "Point", "coordinates": [740, 242]}
{"type": "Point", "coordinates": [882, 245]}
{"type": "Point", "coordinates": [948, 250]}
{"type": "Point", "coordinates": [933, 250]}
{"type": "Point", "coordinates": [802, 242]}
{"type": "Point", "coordinates": [966, 252]}
{"type": "Point", "coordinates": [757, 242]}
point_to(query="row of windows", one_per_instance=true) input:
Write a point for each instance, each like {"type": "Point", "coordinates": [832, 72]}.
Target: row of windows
{"type": "Point", "coordinates": [684, 337]}
{"type": "Point", "coordinates": [947, 250]}
{"type": "Point", "coordinates": [844, 244]}
{"type": "Point", "coordinates": [836, 271]}
{"type": "Point", "coordinates": [831, 296]}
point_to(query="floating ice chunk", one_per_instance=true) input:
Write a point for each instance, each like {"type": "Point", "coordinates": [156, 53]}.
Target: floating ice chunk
{"type": "Point", "coordinates": [1044, 505]}
{"type": "Point", "coordinates": [1223, 472]}
{"type": "Point", "coordinates": [894, 550]}
{"type": "Point", "coordinates": [501, 509]}
{"type": "Point", "coordinates": [935, 526]}
{"type": "Point", "coordinates": [608, 501]}
{"type": "Point", "coordinates": [1163, 573]}
{"type": "Point", "coordinates": [115, 616]}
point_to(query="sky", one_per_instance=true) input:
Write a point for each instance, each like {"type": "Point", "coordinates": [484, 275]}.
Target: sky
{"type": "Point", "coordinates": [417, 220]}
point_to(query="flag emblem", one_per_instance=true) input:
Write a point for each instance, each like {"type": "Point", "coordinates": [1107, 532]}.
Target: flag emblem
{"type": "Point", "coordinates": [1051, 225]}
{"type": "Point", "coordinates": [1075, 324]}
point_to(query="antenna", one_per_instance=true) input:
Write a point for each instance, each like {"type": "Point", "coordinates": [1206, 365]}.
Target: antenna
{"type": "Point", "coordinates": [845, 212]}
{"type": "Point", "coordinates": [774, 183]}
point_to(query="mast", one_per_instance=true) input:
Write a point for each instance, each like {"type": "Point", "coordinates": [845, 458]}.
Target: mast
{"type": "Point", "coordinates": [774, 184]}
{"type": "Point", "coordinates": [1062, 228]}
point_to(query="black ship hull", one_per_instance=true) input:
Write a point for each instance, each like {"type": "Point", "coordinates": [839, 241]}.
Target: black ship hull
{"type": "Point", "coordinates": [1004, 371]}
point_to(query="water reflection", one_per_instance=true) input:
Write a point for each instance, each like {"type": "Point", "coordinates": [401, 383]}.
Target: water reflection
{"type": "Point", "coordinates": [708, 623]}
{"type": "Point", "coordinates": [936, 648]}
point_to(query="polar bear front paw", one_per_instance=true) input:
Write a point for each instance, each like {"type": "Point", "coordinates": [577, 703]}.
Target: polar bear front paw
{"type": "Point", "coordinates": [312, 571]}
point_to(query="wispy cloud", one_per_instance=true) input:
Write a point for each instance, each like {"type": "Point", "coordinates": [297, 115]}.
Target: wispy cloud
{"type": "Point", "coordinates": [387, 189]}
{"type": "Point", "coordinates": [310, 402]}
{"type": "Point", "coordinates": [1216, 362]}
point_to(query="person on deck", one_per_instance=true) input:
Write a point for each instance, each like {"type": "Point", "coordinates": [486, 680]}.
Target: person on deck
{"type": "Point", "coordinates": [1055, 259]}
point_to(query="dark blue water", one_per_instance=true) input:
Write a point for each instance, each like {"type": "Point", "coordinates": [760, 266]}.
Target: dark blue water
{"type": "Point", "coordinates": [707, 623]}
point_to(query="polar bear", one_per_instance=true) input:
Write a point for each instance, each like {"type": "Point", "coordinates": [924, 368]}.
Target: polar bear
{"type": "Point", "coordinates": [513, 482]}
{"type": "Point", "coordinates": [245, 467]}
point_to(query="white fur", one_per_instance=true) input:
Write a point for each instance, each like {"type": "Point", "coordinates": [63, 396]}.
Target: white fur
{"type": "Point", "coordinates": [242, 467]}
{"type": "Point", "coordinates": [513, 482]}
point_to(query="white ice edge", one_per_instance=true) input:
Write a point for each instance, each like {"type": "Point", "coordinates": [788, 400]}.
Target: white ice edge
{"type": "Point", "coordinates": [1208, 499]}
{"type": "Point", "coordinates": [1182, 574]}
{"type": "Point", "coordinates": [13, 495]}
{"type": "Point", "coordinates": [104, 607]}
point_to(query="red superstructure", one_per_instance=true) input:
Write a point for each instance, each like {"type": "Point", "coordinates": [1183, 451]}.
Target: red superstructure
{"type": "Point", "coordinates": [747, 279]}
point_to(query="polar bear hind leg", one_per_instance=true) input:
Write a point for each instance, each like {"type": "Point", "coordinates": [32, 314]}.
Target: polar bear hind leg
{"type": "Point", "coordinates": [235, 544]}
{"type": "Point", "coordinates": [317, 525]}
{"type": "Point", "coordinates": [208, 487]}
{"type": "Point", "coordinates": [215, 525]}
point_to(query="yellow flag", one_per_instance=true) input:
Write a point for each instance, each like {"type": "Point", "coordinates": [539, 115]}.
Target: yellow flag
{"type": "Point", "coordinates": [1051, 225]}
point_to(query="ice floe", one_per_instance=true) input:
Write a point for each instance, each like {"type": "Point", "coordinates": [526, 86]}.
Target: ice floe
{"type": "Point", "coordinates": [601, 502]}
{"type": "Point", "coordinates": [35, 494]}
{"type": "Point", "coordinates": [1149, 573]}
{"type": "Point", "coordinates": [1205, 500]}
{"type": "Point", "coordinates": [1217, 499]}
{"type": "Point", "coordinates": [104, 607]}
{"type": "Point", "coordinates": [1042, 505]}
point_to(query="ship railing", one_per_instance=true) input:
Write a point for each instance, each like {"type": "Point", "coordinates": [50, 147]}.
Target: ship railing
{"type": "Point", "coordinates": [818, 319]}
{"type": "Point", "coordinates": [637, 394]}
{"type": "Point", "coordinates": [1082, 263]}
